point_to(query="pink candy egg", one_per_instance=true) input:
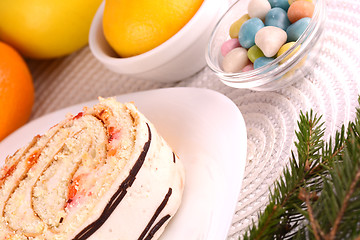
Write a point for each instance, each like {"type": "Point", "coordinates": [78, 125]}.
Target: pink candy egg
{"type": "Point", "coordinates": [229, 45]}
{"type": "Point", "coordinates": [248, 68]}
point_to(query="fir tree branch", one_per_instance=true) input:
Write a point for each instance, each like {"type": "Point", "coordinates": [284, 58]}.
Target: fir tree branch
{"type": "Point", "coordinates": [330, 169]}
{"type": "Point", "coordinates": [341, 192]}
{"type": "Point", "coordinates": [344, 206]}
{"type": "Point", "coordinates": [314, 224]}
{"type": "Point", "coordinates": [281, 216]}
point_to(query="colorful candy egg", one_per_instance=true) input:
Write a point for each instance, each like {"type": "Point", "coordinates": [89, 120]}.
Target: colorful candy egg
{"type": "Point", "coordinates": [277, 17]}
{"type": "Point", "coordinates": [248, 31]}
{"type": "Point", "coordinates": [235, 27]}
{"type": "Point", "coordinates": [229, 45]}
{"type": "Point", "coordinates": [300, 9]}
{"type": "Point", "coordinates": [270, 39]}
{"type": "Point", "coordinates": [235, 60]}
{"type": "Point", "coordinates": [285, 48]}
{"type": "Point", "coordinates": [284, 4]}
{"type": "Point", "coordinates": [258, 8]}
{"type": "Point", "coordinates": [262, 61]}
{"type": "Point", "coordinates": [295, 30]}
{"type": "Point", "coordinates": [254, 53]}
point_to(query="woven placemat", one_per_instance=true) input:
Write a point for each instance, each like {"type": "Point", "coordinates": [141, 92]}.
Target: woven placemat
{"type": "Point", "coordinates": [271, 117]}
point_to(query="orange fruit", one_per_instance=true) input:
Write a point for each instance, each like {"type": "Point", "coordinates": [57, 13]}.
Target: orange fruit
{"type": "Point", "coordinates": [135, 27]}
{"type": "Point", "coordinates": [16, 90]}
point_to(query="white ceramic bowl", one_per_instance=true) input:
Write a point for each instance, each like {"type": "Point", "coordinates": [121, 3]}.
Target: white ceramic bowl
{"type": "Point", "coordinates": [179, 57]}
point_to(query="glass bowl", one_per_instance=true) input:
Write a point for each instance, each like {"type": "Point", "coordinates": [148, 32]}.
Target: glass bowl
{"type": "Point", "coordinates": [269, 77]}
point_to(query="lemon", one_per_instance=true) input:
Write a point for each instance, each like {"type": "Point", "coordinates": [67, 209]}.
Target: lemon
{"type": "Point", "coordinates": [135, 27]}
{"type": "Point", "coordinates": [46, 28]}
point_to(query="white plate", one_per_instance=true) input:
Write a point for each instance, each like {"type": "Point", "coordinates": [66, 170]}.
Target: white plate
{"type": "Point", "coordinates": [206, 130]}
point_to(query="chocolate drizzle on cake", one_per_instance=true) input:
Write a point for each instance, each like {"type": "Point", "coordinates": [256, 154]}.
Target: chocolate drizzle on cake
{"type": "Point", "coordinates": [174, 157]}
{"type": "Point", "coordinates": [157, 227]}
{"type": "Point", "coordinates": [118, 196]}
{"type": "Point", "coordinates": [152, 220]}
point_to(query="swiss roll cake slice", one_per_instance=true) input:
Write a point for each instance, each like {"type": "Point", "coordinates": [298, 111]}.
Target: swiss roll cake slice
{"type": "Point", "coordinates": [105, 173]}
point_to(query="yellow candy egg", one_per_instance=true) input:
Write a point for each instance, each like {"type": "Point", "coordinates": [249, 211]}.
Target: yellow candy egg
{"type": "Point", "coordinates": [286, 47]}
{"type": "Point", "coordinates": [235, 27]}
{"type": "Point", "coordinates": [292, 1]}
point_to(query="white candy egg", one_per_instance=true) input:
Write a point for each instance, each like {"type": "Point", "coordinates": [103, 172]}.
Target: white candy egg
{"type": "Point", "coordinates": [235, 60]}
{"type": "Point", "coordinates": [270, 39]}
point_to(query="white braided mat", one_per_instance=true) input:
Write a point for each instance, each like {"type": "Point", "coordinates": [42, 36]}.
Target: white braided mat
{"type": "Point", "coordinates": [270, 116]}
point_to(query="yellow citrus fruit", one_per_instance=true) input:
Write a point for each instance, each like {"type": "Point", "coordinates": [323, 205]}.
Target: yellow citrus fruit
{"type": "Point", "coordinates": [135, 27]}
{"type": "Point", "coordinates": [16, 90]}
{"type": "Point", "coordinates": [44, 29]}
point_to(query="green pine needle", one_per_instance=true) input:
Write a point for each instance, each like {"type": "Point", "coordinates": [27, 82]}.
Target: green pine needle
{"type": "Point", "coordinates": [318, 194]}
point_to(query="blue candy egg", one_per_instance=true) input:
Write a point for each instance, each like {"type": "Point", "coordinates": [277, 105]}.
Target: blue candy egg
{"type": "Point", "coordinates": [262, 61]}
{"type": "Point", "coordinates": [284, 4]}
{"type": "Point", "coordinates": [295, 30]}
{"type": "Point", "coordinates": [248, 31]}
{"type": "Point", "coordinates": [277, 17]}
